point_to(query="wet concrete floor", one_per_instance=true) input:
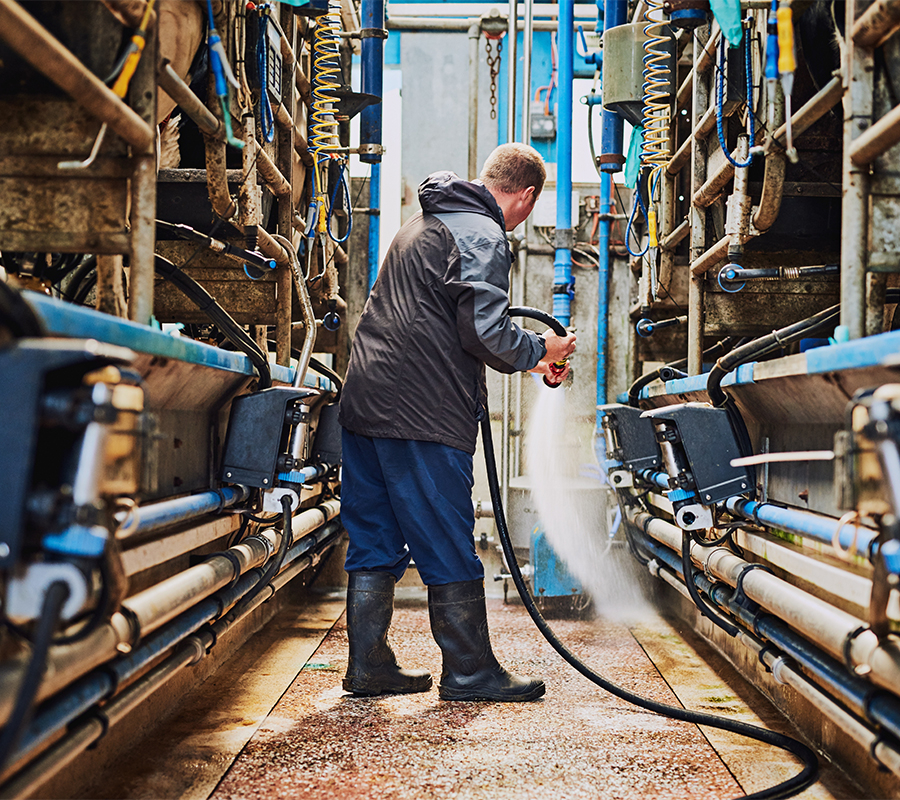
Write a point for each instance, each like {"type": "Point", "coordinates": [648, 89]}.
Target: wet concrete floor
{"type": "Point", "coordinates": [265, 728]}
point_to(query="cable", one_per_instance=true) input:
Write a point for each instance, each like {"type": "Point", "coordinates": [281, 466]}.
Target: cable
{"type": "Point", "coordinates": [634, 391]}
{"type": "Point", "coordinates": [222, 319]}
{"type": "Point", "coordinates": [787, 788]}
{"type": "Point", "coordinates": [16, 315]}
{"type": "Point", "coordinates": [687, 569]}
{"type": "Point", "coordinates": [274, 567]}
{"type": "Point", "coordinates": [720, 85]}
{"type": "Point", "coordinates": [266, 120]}
{"type": "Point", "coordinates": [51, 611]}
{"type": "Point", "coordinates": [761, 346]}
{"type": "Point", "coordinates": [341, 182]}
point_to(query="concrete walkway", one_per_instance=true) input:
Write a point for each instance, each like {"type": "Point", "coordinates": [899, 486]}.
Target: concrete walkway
{"type": "Point", "coordinates": [576, 742]}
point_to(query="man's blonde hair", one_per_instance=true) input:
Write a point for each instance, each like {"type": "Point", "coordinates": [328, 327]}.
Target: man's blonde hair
{"type": "Point", "coordinates": [513, 167]}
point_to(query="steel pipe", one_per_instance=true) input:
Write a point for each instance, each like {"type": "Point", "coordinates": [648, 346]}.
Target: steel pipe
{"type": "Point", "coordinates": [474, 41]}
{"type": "Point", "coordinates": [840, 634]}
{"type": "Point", "coordinates": [877, 23]}
{"type": "Point", "coordinates": [154, 516]}
{"type": "Point", "coordinates": [527, 42]}
{"type": "Point", "coordinates": [697, 216]}
{"type": "Point", "coordinates": [217, 179]}
{"type": "Point", "coordinates": [882, 136]}
{"type": "Point", "coordinates": [702, 64]}
{"type": "Point", "coordinates": [772, 192]}
{"type": "Point", "coordinates": [813, 110]}
{"type": "Point", "coordinates": [192, 649]}
{"type": "Point", "coordinates": [148, 610]}
{"type": "Point", "coordinates": [804, 523]}
{"type": "Point", "coordinates": [172, 84]}
{"type": "Point", "coordinates": [275, 180]}
{"type": "Point", "coordinates": [715, 255]}
{"type": "Point", "coordinates": [462, 24]}
{"type": "Point", "coordinates": [36, 45]}
{"type": "Point", "coordinates": [511, 67]}
{"type": "Point", "coordinates": [880, 708]}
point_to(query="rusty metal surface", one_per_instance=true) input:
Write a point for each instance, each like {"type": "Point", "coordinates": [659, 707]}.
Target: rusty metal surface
{"type": "Point", "coordinates": [44, 209]}
{"type": "Point", "coordinates": [576, 742]}
{"type": "Point", "coordinates": [248, 301]}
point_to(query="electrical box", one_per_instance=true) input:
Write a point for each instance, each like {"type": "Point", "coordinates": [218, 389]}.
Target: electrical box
{"type": "Point", "coordinates": [543, 125]}
{"type": "Point", "coordinates": [258, 434]}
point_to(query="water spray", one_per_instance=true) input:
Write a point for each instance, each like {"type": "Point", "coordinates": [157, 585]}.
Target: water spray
{"type": "Point", "coordinates": [805, 778]}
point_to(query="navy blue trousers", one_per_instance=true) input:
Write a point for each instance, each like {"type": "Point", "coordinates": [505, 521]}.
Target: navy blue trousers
{"type": "Point", "coordinates": [403, 499]}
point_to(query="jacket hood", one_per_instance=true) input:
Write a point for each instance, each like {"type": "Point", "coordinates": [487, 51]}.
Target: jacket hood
{"type": "Point", "coordinates": [447, 193]}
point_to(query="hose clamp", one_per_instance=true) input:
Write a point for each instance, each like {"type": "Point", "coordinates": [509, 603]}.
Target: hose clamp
{"type": "Point", "coordinates": [100, 717]}
{"type": "Point", "coordinates": [373, 33]}
{"type": "Point", "coordinates": [778, 666]}
{"type": "Point", "coordinates": [768, 648]}
{"type": "Point", "coordinates": [134, 627]}
{"type": "Point", "coordinates": [739, 597]}
{"type": "Point", "coordinates": [856, 669]}
{"type": "Point", "coordinates": [235, 561]}
{"type": "Point", "coordinates": [849, 552]}
{"type": "Point", "coordinates": [873, 751]}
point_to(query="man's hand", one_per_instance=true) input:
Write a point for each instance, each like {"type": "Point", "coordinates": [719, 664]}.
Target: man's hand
{"type": "Point", "coordinates": [559, 348]}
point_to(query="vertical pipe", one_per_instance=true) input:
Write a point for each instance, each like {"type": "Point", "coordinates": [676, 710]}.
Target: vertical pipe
{"type": "Point", "coordinates": [562, 265]}
{"type": "Point", "coordinates": [603, 287]}
{"type": "Point", "coordinates": [143, 189]}
{"type": "Point", "coordinates": [698, 214]}
{"type": "Point", "coordinates": [615, 13]}
{"type": "Point", "coordinates": [512, 37]}
{"type": "Point", "coordinates": [372, 79]}
{"type": "Point", "coordinates": [285, 161]}
{"type": "Point", "coordinates": [518, 286]}
{"type": "Point", "coordinates": [374, 222]}
{"type": "Point", "coordinates": [474, 41]}
{"type": "Point", "coordinates": [854, 209]}
{"type": "Point", "coordinates": [372, 58]}
{"type": "Point", "coordinates": [527, 37]}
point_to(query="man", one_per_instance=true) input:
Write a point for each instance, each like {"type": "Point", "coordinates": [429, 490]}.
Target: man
{"type": "Point", "coordinates": [410, 407]}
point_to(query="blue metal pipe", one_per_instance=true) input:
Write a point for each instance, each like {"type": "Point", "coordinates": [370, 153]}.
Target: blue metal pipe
{"type": "Point", "coordinates": [802, 523]}
{"type": "Point", "coordinates": [880, 707]}
{"type": "Point", "coordinates": [615, 13]}
{"type": "Point", "coordinates": [159, 515]}
{"type": "Point", "coordinates": [603, 289]}
{"type": "Point", "coordinates": [562, 265]}
{"type": "Point", "coordinates": [370, 118]}
{"type": "Point", "coordinates": [372, 78]}
{"type": "Point", "coordinates": [374, 222]}
{"type": "Point", "coordinates": [790, 520]}
{"type": "Point", "coordinates": [84, 693]}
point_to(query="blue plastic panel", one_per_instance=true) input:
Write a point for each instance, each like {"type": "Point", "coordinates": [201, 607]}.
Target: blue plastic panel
{"type": "Point", "coordinates": [551, 577]}
{"type": "Point", "coordinates": [65, 319]}
{"type": "Point", "coordinates": [868, 352]}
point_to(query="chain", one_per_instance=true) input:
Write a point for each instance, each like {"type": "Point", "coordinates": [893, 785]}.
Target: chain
{"type": "Point", "coordinates": [493, 63]}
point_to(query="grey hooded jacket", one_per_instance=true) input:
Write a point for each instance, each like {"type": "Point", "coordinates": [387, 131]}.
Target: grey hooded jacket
{"type": "Point", "coordinates": [436, 315]}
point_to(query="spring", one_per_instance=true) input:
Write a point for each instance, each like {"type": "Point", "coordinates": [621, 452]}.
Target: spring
{"type": "Point", "coordinates": [656, 90]}
{"type": "Point", "coordinates": [792, 273]}
{"type": "Point", "coordinates": [323, 127]}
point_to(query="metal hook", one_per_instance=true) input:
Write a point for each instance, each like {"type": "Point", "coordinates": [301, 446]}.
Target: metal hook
{"type": "Point", "coordinates": [91, 158]}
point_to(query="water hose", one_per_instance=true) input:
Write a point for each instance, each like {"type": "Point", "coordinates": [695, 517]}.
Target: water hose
{"type": "Point", "coordinates": [787, 788]}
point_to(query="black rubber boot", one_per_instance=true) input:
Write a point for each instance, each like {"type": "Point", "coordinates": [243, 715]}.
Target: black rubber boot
{"type": "Point", "coordinates": [471, 671]}
{"type": "Point", "coordinates": [372, 668]}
